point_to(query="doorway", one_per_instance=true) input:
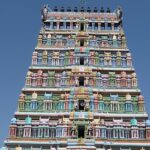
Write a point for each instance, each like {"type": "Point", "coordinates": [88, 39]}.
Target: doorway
{"type": "Point", "coordinates": [81, 81]}
{"type": "Point", "coordinates": [81, 42]}
{"type": "Point", "coordinates": [81, 26]}
{"type": "Point", "coordinates": [81, 60]}
{"type": "Point", "coordinates": [81, 130]}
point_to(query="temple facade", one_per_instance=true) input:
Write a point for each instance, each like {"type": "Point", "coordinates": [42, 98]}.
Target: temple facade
{"type": "Point", "coordinates": [81, 90]}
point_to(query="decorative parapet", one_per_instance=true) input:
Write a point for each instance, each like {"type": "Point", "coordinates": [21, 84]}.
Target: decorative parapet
{"type": "Point", "coordinates": [80, 15]}
{"type": "Point", "coordinates": [81, 69]}
{"type": "Point", "coordinates": [81, 115]}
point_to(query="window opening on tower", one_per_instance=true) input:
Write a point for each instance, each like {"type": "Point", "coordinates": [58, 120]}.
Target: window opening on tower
{"type": "Point", "coordinates": [81, 60]}
{"type": "Point", "coordinates": [82, 27]}
{"type": "Point", "coordinates": [81, 42]}
{"type": "Point", "coordinates": [81, 81]}
{"type": "Point", "coordinates": [81, 130]}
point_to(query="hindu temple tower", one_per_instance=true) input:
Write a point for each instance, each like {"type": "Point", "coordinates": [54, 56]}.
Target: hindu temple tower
{"type": "Point", "coordinates": [81, 90]}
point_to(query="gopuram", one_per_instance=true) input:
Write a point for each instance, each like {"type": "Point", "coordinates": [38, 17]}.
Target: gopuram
{"type": "Point", "coordinates": [81, 90]}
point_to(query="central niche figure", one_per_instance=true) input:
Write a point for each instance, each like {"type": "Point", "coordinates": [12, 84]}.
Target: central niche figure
{"type": "Point", "coordinates": [81, 104]}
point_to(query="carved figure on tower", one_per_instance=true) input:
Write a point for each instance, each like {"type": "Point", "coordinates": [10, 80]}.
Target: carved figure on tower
{"type": "Point", "coordinates": [90, 130]}
{"type": "Point", "coordinates": [73, 130]}
{"type": "Point", "coordinates": [44, 12]}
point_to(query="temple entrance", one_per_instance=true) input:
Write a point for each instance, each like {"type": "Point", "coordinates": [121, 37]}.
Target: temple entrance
{"type": "Point", "coordinates": [81, 60]}
{"type": "Point", "coordinates": [81, 130]}
{"type": "Point", "coordinates": [81, 104]}
{"type": "Point", "coordinates": [82, 27]}
{"type": "Point", "coordinates": [81, 81]}
{"type": "Point", "coordinates": [81, 42]}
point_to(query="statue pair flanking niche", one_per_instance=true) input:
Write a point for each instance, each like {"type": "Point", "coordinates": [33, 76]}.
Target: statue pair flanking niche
{"type": "Point", "coordinates": [87, 106]}
{"type": "Point", "coordinates": [84, 105]}
{"type": "Point", "coordinates": [90, 130]}
{"type": "Point", "coordinates": [76, 107]}
{"type": "Point", "coordinates": [73, 130]}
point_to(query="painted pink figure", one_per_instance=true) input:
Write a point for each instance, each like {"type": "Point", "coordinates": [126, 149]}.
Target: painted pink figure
{"type": "Point", "coordinates": [34, 80]}
{"type": "Point", "coordinates": [81, 49]}
{"type": "Point", "coordinates": [66, 100]}
{"type": "Point", "coordinates": [71, 57]}
{"type": "Point", "coordinates": [134, 134]}
{"type": "Point", "coordinates": [27, 131]}
{"type": "Point", "coordinates": [13, 130]}
{"type": "Point", "coordinates": [129, 81]}
{"type": "Point", "coordinates": [123, 79]}
{"type": "Point", "coordinates": [140, 98]}
{"type": "Point", "coordinates": [92, 61]}
{"type": "Point", "coordinates": [91, 81]}
{"type": "Point", "coordinates": [148, 133]}
{"type": "Point", "coordinates": [45, 82]}
{"type": "Point", "coordinates": [39, 78]}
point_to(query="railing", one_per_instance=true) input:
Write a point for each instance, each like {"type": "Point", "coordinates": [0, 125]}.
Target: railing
{"type": "Point", "coordinates": [86, 64]}
{"type": "Point", "coordinates": [99, 87]}
{"type": "Point", "coordinates": [106, 108]}
{"type": "Point", "coordinates": [98, 46]}
{"type": "Point", "coordinates": [76, 29]}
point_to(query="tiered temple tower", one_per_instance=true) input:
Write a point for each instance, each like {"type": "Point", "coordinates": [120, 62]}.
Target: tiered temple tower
{"type": "Point", "coordinates": [81, 90]}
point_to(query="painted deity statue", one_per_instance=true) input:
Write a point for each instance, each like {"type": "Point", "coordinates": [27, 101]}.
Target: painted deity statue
{"type": "Point", "coordinates": [134, 80]}
{"type": "Point", "coordinates": [55, 60]}
{"type": "Point", "coordinates": [86, 81]}
{"type": "Point", "coordinates": [44, 12]}
{"type": "Point", "coordinates": [115, 42]}
{"type": "Point", "coordinates": [118, 59]}
{"type": "Point", "coordinates": [39, 77]}
{"type": "Point", "coordinates": [119, 13]}
{"type": "Point", "coordinates": [34, 58]}
{"type": "Point", "coordinates": [76, 105]}
{"type": "Point", "coordinates": [44, 57]}
{"type": "Point", "coordinates": [90, 130]}
{"type": "Point", "coordinates": [107, 59]}
{"type": "Point", "coordinates": [76, 81]}
{"type": "Point", "coordinates": [87, 106]}
{"type": "Point", "coordinates": [123, 79]}
{"type": "Point", "coordinates": [129, 59]}
{"type": "Point", "coordinates": [73, 130]}
{"type": "Point", "coordinates": [71, 57]}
